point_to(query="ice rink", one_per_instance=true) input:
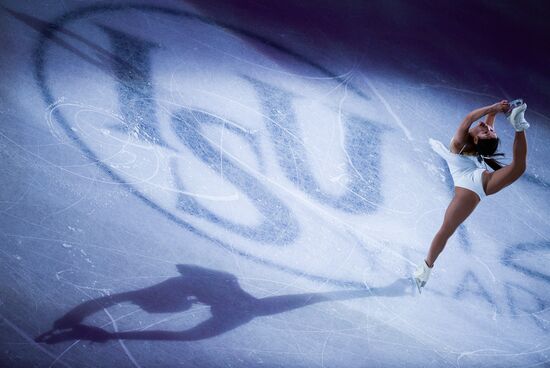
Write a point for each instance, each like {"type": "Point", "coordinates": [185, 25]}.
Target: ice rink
{"type": "Point", "coordinates": [250, 184]}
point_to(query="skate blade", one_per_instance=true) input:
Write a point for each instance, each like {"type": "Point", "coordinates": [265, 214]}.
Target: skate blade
{"type": "Point", "coordinates": [419, 285]}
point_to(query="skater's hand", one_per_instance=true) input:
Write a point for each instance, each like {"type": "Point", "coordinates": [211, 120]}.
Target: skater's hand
{"type": "Point", "coordinates": [501, 106]}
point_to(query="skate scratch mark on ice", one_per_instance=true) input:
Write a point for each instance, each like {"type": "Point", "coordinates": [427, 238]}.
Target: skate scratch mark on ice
{"type": "Point", "coordinates": [27, 277]}
{"type": "Point", "coordinates": [427, 214]}
{"type": "Point", "coordinates": [345, 78]}
{"type": "Point", "coordinates": [40, 255]}
{"type": "Point", "coordinates": [378, 206]}
{"type": "Point", "coordinates": [471, 353]}
{"type": "Point", "coordinates": [168, 104]}
{"type": "Point", "coordinates": [59, 277]}
{"type": "Point", "coordinates": [64, 209]}
{"type": "Point", "coordinates": [250, 350]}
{"type": "Point", "coordinates": [340, 124]}
{"type": "Point", "coordinates": [324, 349]}
{"type": "Point", "coordinates": [499, 353]}
{"type": "Point", "coordinates": [171, 85]}
{"type": "Point", "coordinates": [465, 90]}
{"type": "Point", "coordinates": [539, 114]}
{"type": "Point", "coordinates": [21, 197]}
{"type": "Point", "coordinates": [221, 149]}
{"type": "Point", "coordinates": [295, 341]}
{"type": "Point", "coordinates": [63, 353]}
{"type": "Point", "coordinates": [257, 112]}
{"type": "Point", "coordinates": [83, 108]}
{"type": "Point", "coordinates": [502, 90]}
{"type": "Point", "coordinates": [524, 200]}
{"type": "Point", "coordinates": [48, 115]}
{"type": "Point", "coordinates": [487, 267]}
{"type": "Point", "coordinates": [115, 327]}
{"type": "Point", "coordinates": [234, 196]}
{"type": "Point", "coordinates": [29, 339]}
{"type": "Point", "coordinates": [342, 134]}
{"type": "Point", "coordinates": [522, 220]}
{"type": "Point", "coordinates": [389, 109]}
{"type": "Point", "coordinates": [275, 288]}
{"type": "Point", "coordinates": [334, 128]}
{"type": "Point", "coordinates": [62, 168]}
{"type": "Point", "coordinates": [296, 171]}
{"type": "Point", "coordinates": [525, 314]}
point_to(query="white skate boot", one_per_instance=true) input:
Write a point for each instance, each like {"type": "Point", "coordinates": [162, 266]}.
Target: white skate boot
{"type": "Point", "coordinates": [421, 275]}
{"type": "Point", "coordinates": [512, 105]}
{"type": "Point", "coordinates": [517, 118]}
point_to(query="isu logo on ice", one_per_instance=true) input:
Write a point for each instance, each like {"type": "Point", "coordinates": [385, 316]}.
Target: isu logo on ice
{"type": "Point", "coordinates": [231, 136]}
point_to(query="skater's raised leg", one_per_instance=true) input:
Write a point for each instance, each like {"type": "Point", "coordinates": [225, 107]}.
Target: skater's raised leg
{"type": "Point", "coordinates": [496, 181]}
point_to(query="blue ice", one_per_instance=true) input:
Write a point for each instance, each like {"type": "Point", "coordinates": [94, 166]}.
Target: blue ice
{"type": "Point", "coordinates": [183, 191]}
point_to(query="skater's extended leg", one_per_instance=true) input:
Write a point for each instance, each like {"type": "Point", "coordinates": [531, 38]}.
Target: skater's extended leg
{"type": "Point", "coordinates": [496, 181]}
{"type": "Point", "coordinates": [462, 205]}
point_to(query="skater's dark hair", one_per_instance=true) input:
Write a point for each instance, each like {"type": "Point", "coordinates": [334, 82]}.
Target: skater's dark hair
{"type": "Point", "coordinates": [487, 151]}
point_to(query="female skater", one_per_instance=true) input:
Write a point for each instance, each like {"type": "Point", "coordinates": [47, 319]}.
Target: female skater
{"type": "Point", "coordinates": [468, 156]}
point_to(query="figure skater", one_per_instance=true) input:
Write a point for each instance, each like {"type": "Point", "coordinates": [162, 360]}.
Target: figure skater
{"type": "Point", "coordinates": [471, 151]}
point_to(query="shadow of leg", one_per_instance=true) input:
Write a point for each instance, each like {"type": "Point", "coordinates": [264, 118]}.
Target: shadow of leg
{"type": "Point", "coordinates": [284, 303]}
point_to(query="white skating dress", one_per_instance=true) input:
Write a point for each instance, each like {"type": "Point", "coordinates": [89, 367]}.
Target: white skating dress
{"type": "Point", "coordinates": [467, 171]}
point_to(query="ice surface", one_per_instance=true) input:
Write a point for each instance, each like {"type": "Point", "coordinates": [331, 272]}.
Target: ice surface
{"type": "Point", "coordinates": [183, 186]}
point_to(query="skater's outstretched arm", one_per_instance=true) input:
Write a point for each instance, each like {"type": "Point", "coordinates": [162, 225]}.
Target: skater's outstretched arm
{"type": "Point", "coordinates": [76, 315]}
{"type": "Point", "coordinates": [490, 119]}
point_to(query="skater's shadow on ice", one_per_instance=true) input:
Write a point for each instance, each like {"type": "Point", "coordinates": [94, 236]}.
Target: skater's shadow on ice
{"type": "Point", "coordinates": [230, 306]}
